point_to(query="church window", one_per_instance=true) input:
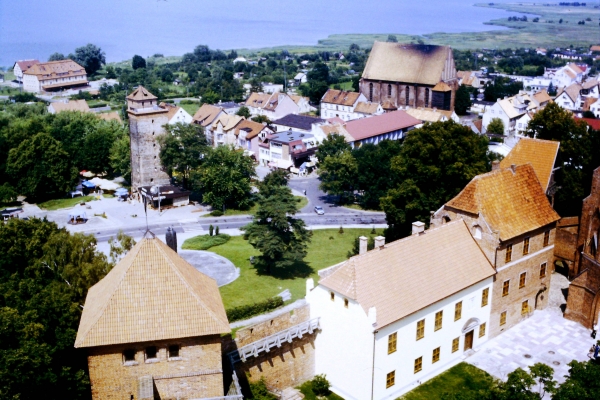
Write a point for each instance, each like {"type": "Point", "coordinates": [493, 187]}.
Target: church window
{"type": "Point", "coordinates": [418, 364]}
{"type": "Point", "coordinates": [407, 94]}
{"type": "Point", "coordinates": [505, 288]}
{"type": "Point", "coordinates": [174, 351]}
{"type": "Point", "coordinates": [370, 92]}
{"type": "Point", "coordinates": [543, 270]}
{"type": "Point", "coordinates": [503, 318]}
{"type": "Point", "coordinates": [438, 320]}
{"type": "Point", "coordinates": [436, 355]}
{"type": "Point", "coordinates": [484, 297]}
{"type": "Point", "coordinates": [526, 246]}
{"type": "Point", "coordinates": [390, 379]}
{"type": "Point", "coordinates": [458, 311]}
{"type": "Point", "coordinates": [508, 255]}
{"type": "Point", "coordinates": [389, 90]}
{"type": "Point", "coordinates": [392, 341]}
{"type": "Point", "coordinates": [420, 329]}
{"type": "Point", "coordinates": [151, 352]}
{"type": "Point", "coordinates": [455, 343]}
{"type": "Point", "coordinates": [522, 279]}
{"type": "Point", "coordinates": [546, 238]}
{"type": "Point", "coordinates": [426, 97]}
{"type": "Point", "coordinates": [525, 307]}
{"type": "Point", "coordinates": [482, 330]}
{"type": "Point", "coordinates": [129, 355]}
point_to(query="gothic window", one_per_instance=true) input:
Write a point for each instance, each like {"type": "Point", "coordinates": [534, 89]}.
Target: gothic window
{"type": "Point", "coordinates": [389, 90]}
{"type": "Point", "coordinates": [370, 92]}
{"type": "Point", "coordinates": [427, 97]}
{"type": "Point", "coordinates": [407, 94]}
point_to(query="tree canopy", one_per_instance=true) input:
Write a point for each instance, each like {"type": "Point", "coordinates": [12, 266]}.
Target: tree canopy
{"type": "Point", "coordinates": [463, 100]}
{"type": "Point", "coordinates": [496, 127]}
{"type": "Point", "coordinates": [90, 57]}
{"type": "Point", "coordinates": [138, 62]}
{"type": "Point", "coordinates": [332, 145]}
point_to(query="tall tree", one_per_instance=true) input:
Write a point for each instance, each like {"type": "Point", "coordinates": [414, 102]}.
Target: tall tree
{"type": "Point", "coordinates": [138, 62]}
{"type": "Point", "coordinates": [56, 57]}
{"type": "Point", "coordinates": [90, 57]}
{"type": "Point", "coordinates": [496, 127]}
{"type": "Point", "coordinates": [331, 146]}
{"type": "Point", "coordinates": [281, 238]}
{"type": "Point", "coordinates": [582, 383]}
{"type": "Point", "coordinates": [463, 100]}
{"type": "Point", "coordinates": [120, 157]}
{"type": "Point", "coordinates": [339, 175]}
{"type": "Point", "coordinates": [434, 164]}
{"type": "Point", "coordinates": [98, 143]}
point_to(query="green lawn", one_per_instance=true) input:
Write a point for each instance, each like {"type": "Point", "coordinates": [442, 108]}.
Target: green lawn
{"type": "Point", "coordinates": [307, 391]}
{"type": "Point", "coordinates": [356, 207]}
{"type": "Point", "coordinates": [327, 248]}
{"type": "Point", "coordinates": [56, 204]}
{"type": "Point", "coordinates": [458, 379]}
{"type": "Point", "coordinates": [344, 86]}
{"type": "Point", "coordinates": [205, 242]}
{"type": "Point", "coordinates": [190, 108]}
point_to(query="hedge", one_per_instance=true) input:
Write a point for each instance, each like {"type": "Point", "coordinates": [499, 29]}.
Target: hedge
{"type": "Point", "coordinates": [247, 311]}
{"type": "Point", "coordinates": [205, 242]}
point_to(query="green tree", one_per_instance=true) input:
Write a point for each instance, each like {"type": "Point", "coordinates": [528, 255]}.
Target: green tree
{"type": "Point", "coordinates": [261, 119]}
{"type": "Point", "coordinates": [56, 57]}
{"type": "Point", "coordinates": [90, 57]}
{"type": "Point", "coordinates": [98, 143]}
{"type": "Point", "coordinates": [243, 112]}
{"type": "Point", "coordinates": [582, 383]}
{"type": "Point", "coordinates": [182, 148]}
{"type": "Point", "coordinates": [463, 100]}
{"type": "Point", "coordinates": [224, 178]}
{"type": "Point", "coordinates": [392, 38]}
{"type": "Point", "coordinates": [120, 157]}
{"type": "Point", "coordinates": [281, 238]}
{"type": "Point", "coordinates": [120, 245]}
{"type": "Point", "coordinates": [339, 174]}
{"type": "Point", "coordinates": [434, 165]}
{"type": "Point", "coordinates": [41, 167]}
{"type": "Point", "coordinates": [496, 127]}
{"type": "Point", "coordinates": [332, 145]}
{"type": "Point", "coordinates": [7, 193]}
{"type": "Point", "coordinates": [138, 62]}
{"type": "Point", "coordinates": [70, 128]}
{"type": "Point", "coordinates": [110, 72]}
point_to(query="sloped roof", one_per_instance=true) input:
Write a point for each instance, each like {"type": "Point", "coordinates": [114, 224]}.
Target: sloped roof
{"type": "Point", "coordinates": [336, 129]}
{"type": "Point", "coordinates": [593, 123]}
{"type": "Point", "coordinates": [251, 128]}
{"type": "Point", "coordinates": [512, 203]}
{"type": "Point", "coordinates": [407, 276]}
{"type": "Point", "coordinates": [575, 68]}
{"type": "Point", "coordinates": [297, 99]}
{"type": "Point", "coordinates": [366, 107]}
{"type": "Point", "coordinates": [206, 114]}
{"type": "Point", "coordinates": [541, 154]}
{"type": "Point", "coordinates": [508, 107]}
{"type": "Point", "coordinates": [141, 94]}
{"type": "Point", "coordinates": [258, 100]}
{"type": "Point", "coordinates": [590, 83]}
{"type": "Point", "coordinates": [72, 105]}
{"type": "Point", "coordinates": [151, 294]}
{"type": "Point", "coordinates": [26, 64]}
{"type": "Point", "coordinates": [441, 87]}
{"type": "Point", "coordinates": [52, 69]}
{"type": "Point", "coordinates": [368, 127]}
{"type": "Point", "coordinates": [410, 63]}
{"type": "Point", "coordinates": [542, 97]}
{"type": "Point", "coordinates": [425, 114]}
{"type": "Point", "coordinates": [228, 121]}
{"type": "Point", "coordinates": [572, 91]}
{"type": "Point", "coordinates": [110, 116]}
{"type": "Point", "coordinates": [303, 122]}
{"type": "Point", "coordinates": [340, 97]}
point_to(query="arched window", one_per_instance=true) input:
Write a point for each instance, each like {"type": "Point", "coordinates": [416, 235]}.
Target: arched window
{"type": "Point", "coordinates": [370, 92]}
{"type": "Point", "coordinates": [427, 97]}
{"type": "Point", "coordinates": [407, 94]}
{"type": "Point", "coordinates": [389, 90]}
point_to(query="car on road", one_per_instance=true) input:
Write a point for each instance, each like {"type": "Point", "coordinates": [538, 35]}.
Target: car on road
{"type": "Point", "coordinates": [319, 210]}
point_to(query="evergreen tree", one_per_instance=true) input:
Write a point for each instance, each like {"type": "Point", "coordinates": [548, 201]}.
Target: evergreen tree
{"type": "Point", "coordinates": [463, 100]}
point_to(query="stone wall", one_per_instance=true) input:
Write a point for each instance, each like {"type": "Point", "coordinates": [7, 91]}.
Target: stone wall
{"type": "Point", "coordinates": [196, 373]}
{"type": "Point", "coordinates": [565, 244]}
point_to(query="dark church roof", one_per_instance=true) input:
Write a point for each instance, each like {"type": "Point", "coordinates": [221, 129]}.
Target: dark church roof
{"type": "Point", "coordinates": [298, 121]}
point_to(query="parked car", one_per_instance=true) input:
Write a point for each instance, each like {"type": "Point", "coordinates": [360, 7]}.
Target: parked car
{"type": "Point", "coordinates": [319, 210]}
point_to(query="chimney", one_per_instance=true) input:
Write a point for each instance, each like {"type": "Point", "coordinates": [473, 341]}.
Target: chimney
{"type": "Point", "coordinates": [495, 165]}
{"type": "Point", "coordinates": [379, 242]}
{"type": "Point", "coordinates": [362, 246]}
{"type": "Point", "coordinates": [418, 227]}
{"type": "Point", "coordinates": [171, 238]}
{"type": "Point", "coordinates": [513, 167]}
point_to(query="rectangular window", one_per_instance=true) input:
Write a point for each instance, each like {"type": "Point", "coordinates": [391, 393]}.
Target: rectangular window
{"type": "Point", "coordinates": [436, 355]}
{"type": "Point", "coordinates": [420, 329]}
{"type": "Point", "coordinates": [173, 351]}
{"type": "Point", "coordinates": [482, 330]}
{"type": "Point", "coordinates": [332, 296]}
{"type": "Point", "coordinates": [438, 320]}
{"type": "Point", "coordinates": [546, 238]}
{"type": "Point", "coordinates": [346, 303]}
{"type": "Point", "coordinates": [129, 355]}
{"type": "Point", "coordinates": [151, 352]}
{"type": "Point", "coordinates": [390, 379]}
{"type": "Point", "coordinates": [505, 288]}
{"type": "Point", "coordinates": [392, 340]}
{"type": "Point", "coordinates": [458, 311]}
{"type": "Point", "coordinates": [526, 246]}
{"type": "Point", "coordinates": [508, 256]}
{"type": "Point", "coordinates": [543, 270]}
{"type": "Point", "coordinates": [502, 318]}
{"type": "Point", "coordinates": [484, 297]}
{"type": "Point", "coordinates": [418, 364]}
{"type": "Point", "coordinates": [522, 279]}
{"type": "Point", "coordinates": [455, 343]}
{"type": "Point", "coordinates": [525, 307]}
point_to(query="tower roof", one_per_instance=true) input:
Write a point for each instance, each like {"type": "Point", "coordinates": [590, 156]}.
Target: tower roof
{"type": "Point", "coordinates": [151, 294]}
{"type": "Point", "coordinates": [141, 94]}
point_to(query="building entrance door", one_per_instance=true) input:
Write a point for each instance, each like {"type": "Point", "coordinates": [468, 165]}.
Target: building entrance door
{"type": "Point", "coordinates": [469, 340]}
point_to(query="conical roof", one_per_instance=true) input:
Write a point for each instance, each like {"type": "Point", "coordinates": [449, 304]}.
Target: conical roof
{"type": "Point", "coordinates": [151, 294]}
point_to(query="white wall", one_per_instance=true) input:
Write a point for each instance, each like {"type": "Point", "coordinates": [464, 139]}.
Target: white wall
{"type": "Point", "coordinates": [31, 83]}
{"type": "Point", "coordinates": [496, 111]}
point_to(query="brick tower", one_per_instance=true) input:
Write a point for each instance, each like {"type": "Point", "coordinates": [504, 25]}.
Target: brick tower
{"type": "Point", "coordinates": [146, 120]}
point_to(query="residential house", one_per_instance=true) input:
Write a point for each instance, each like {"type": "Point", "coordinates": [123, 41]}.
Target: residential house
{"type": "Point", "coordinates": [537, 83]}
{"type": "Point", "coordinates": [68, 105]}
{"type": "Point", "coordinates": [21, 66]}
{"type": "Point", "coordinates": [471, 79]}
{"type": "Point", "coordinates": [240, 59]}
{"type": "Point", "coordinates": [249, 134]}
{"type": "Point", "coordinates": [564, 76]}
{"type": "Point", "coordinates": [569, 98]}
{"type": "Point", "coordinates": [223, 129]}
{"type": "Point", "coordinates": [205, 116]}
{"type": "Point", "coordinates": [268, 87]}
{"type": "Point", "coordinates": [299, 123]}
{"type": "Point", "coordinates": [176, 114]}
{"type": "Point", "coordinates": [432, 115]}
{"type": "Point", "coordinates": [303, 104]}
{"type": "Point", "coordinates": [595, 108]}
{"type": "Point", "coordinates": [331, 128]}
{"type": "Point", "coordinates": [386, 327]}
{"type": "Point", "coordinates": [230, 107]}
{"type": "Point", "coordinates": [340, 103]}
{"type": "Point", "coordinates": [389, 126]}
{"type": "Point", "coordinates": [511, 219]}
{"type": "Point", "coordinates": [110, 116]}
{"type": "Point", "coordinates": [287, 149]}
{"type": "Point", "coordinates": [541, 51]}
{"type": "Point", "coordinates": [54, 75]}
{"type": "Point", "coordinates": [410, 75]}
{"type": "Point", "coordinates": [300, 78]}
{"type": "Point", "coordinates": [366, 109]}
{"type": "Point", "coordinates": [511, 109]}
{"type": "Point", "coordinates": [141, 345]}
{"type": "Point", "coordinates": [273, 106]}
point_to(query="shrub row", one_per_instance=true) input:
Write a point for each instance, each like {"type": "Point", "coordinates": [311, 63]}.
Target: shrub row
{"type": "Point", "coordinates": [243, 312]}
{"type": "Point", "coordinates": [205, 242]}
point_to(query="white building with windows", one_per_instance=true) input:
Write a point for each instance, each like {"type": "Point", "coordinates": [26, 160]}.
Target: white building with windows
{"type": "Point", "coordinates": [341, 104]}
{"type": "Point", "coordinates": [400, 314]}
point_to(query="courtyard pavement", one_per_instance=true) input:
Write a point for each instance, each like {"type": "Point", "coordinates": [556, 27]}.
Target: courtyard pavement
{"type": "Point", "coordinates": [544, 337]}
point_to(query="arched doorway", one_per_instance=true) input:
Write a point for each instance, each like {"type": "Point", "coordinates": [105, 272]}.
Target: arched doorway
{"type": "Point", "coordinates": [469, 331]}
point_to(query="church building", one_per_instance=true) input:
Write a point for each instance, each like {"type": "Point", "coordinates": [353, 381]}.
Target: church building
{"type": "Point", "coordinates": [410, 75]}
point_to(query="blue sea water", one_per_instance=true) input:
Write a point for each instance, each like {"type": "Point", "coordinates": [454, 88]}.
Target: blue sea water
{"type": "Point", "coordinates": [122, 28]}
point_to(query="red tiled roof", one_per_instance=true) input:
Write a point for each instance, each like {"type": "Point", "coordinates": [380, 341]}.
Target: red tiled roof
{"type": "Point", "coordinates": [368, 127]}
{"type": "Point", "coordinates": [593, 123]}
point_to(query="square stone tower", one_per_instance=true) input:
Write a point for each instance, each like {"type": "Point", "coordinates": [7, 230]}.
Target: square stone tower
{"type": "Point", "coordinates": [146, 121]}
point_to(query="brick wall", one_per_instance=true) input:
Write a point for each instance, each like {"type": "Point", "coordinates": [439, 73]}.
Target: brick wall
{"type": "Point", "coordinates": [196, 374]}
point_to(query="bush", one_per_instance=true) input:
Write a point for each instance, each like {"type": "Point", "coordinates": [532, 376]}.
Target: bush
{"type": "Point", "coordinates": [341, 230]}
{"type": "Point", "coordinates": [247, 311]}
{"type": "Point", "coordinates": [205, 242]}
{"type": "Point", "coordinates": [211, 230]}
{"type": "Point", "coordinates": [320, 385]}
{"type": "Point", "coordinates": [97, 105]}
{"type": "Point", "coordinates": [217, 230]}
{"type": "Point", "coordinates": [260, 391]}
{"type": "Point", "coordinates": [216, 213]}
{"type": "Point", "coordinates": [188, 101]}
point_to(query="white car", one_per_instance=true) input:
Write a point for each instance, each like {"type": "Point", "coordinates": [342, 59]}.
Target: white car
{"type": "Point", "coordinates": [319, 210]}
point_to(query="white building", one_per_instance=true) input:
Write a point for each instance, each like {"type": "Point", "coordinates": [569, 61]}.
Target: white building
{"type": "Point", "coordinates": [595, 108]}
{"type": "Point", "coordinates": [177, 114]}
{"type": "Point", "coordinates": [565, 76]}
{"type": "Point", "coordinates": [570, 97]}
{"type": "Point", "coordinates": [401, 314]}
{"type": "Point", "coordinates": [511, 109]}
{"type": "Point", "coordinates": [54, 75]}
{"type": "Point", "coordinates": [22, 66]}
{"type": "Point", "coordinates": [273, 106]}
{"type": "Point", "coordinates": [341, 104]}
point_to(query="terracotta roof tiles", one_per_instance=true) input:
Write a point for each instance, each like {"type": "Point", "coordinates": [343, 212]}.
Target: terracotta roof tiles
{"type": "Point", "coordinates": [541, 154]}
{"type": "Point", "coordinates": [340, 97]}
{"type": "Point", "coordinates": [206, 114]}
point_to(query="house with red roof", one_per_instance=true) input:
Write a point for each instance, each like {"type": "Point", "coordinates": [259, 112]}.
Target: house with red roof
{"type": "Point", "coordinates": [389, 126]}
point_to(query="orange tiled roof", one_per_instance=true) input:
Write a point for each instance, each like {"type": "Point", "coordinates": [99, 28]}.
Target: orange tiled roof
{"type": "Point", "coordinates": [55, 69]}
{"type": "Point", "coordinates": [386, 279]}
{"type": "Point", "coordinates": [72, 105]}
{"type": "Point", "coordinates": [151, 294]}
{"type": "Point", "coordinates": [512, 203]}
{"type": "Point", "coordinates": [206, 114]}
{"type": "Point", "coordinates": [340, 97]}
{"type": "Point", "coordinates": [141, 93]}
{"type": "Point", "coordinates": [541, 154]}
{"type": "Point", "coordinates": [251, 128]}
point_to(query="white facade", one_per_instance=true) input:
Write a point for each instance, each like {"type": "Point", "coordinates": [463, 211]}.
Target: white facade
{"type": "Point", "coordinates": [181, 116]}
{"type": "Point", "coordinates": [354, 355]}
{"type": "Point", "coordinates": [496, 111]}
{"type": "Point", "coordinates": [330, 110]}
{"type": "Point", "coordinates": [595, 108]}
{"type": "Point", "coordinates": [32, 84]}
{"type": "Point", "coordinates": [566, 102]}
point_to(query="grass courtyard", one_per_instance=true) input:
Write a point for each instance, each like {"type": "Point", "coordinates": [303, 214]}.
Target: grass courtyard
{"type": "Point", "coordinates": [328, 247]}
